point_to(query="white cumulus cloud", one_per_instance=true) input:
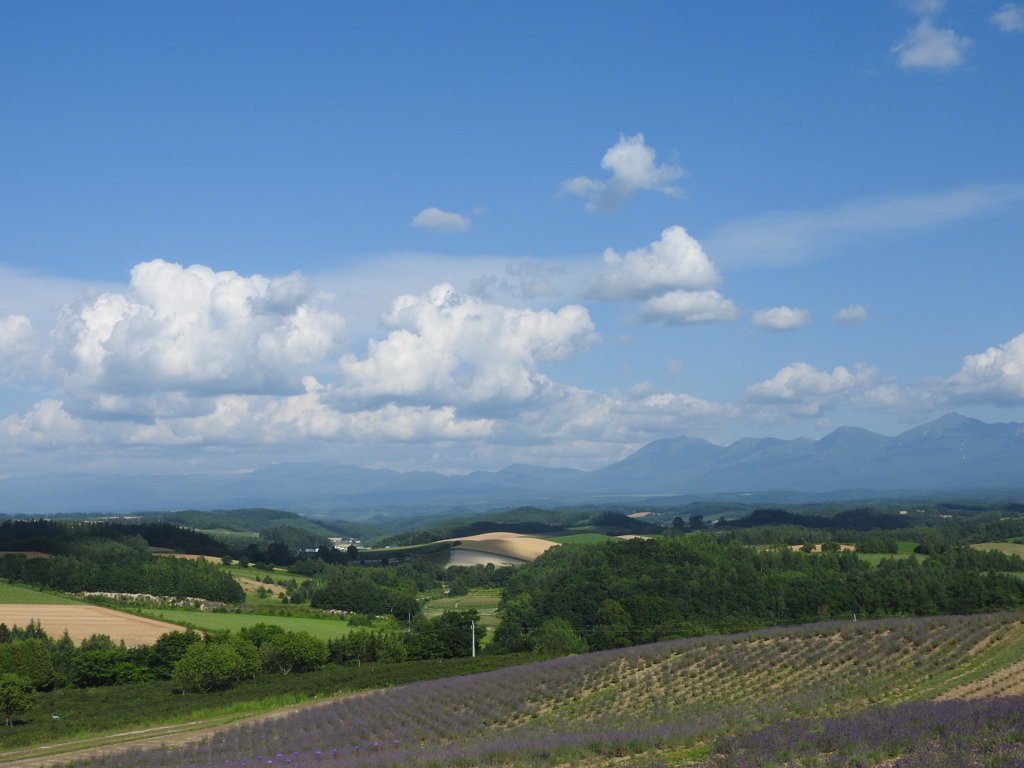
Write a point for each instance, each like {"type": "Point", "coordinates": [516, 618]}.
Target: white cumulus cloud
{"type": "Point", "coordinates": [781, 318]}
{"type": "Point", "coordinates": [674, 262]}
{"type": "Point", "coordinates": [19, 355]}
{"type": "Point", "coordinates": [854, 313]}
{"type": "Point", "coordinates": [928, 47]}
{"type": "Point", "coordinates": [1009, 18]}
{"type": "Point", "coordinates": [193, 331]}
{"type": "Point", "coordinates": [632, 167]}
{"type": "Point", "coordinates": [440, 221]}
{"type": "Point", "coordinates": [994, 376]}
{"type": "Point", "coordinates": [680, 307]}
{"type": "Point", "coordinates": [800, 390]}
{"type": "Point", "coordinates": [458, 349]}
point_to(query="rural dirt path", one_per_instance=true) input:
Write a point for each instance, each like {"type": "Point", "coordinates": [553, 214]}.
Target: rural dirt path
{"type": "Point", "coordinates": [176, 735]}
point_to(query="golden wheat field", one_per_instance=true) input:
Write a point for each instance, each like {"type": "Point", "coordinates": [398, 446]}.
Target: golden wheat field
{"type": "Point", "coordinates": [1007, 548]}
{"type": "Point", "coordinates": [514, 545]}
{"type": "Point", "coordinates": [82, 621]}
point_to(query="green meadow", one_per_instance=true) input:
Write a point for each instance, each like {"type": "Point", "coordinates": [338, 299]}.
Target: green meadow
{"type": "Point", "coordinates": [12, 595]}
{"type": "Point", "coordinates": [577, 538]}
{"type": "Point", "coordinates": [324, 628]}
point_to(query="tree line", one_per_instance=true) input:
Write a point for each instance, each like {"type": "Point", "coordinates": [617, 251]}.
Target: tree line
{"type": "Point", "coordinates": [637, 591]}
{"type": "Point", "coordinates": [125, 565]}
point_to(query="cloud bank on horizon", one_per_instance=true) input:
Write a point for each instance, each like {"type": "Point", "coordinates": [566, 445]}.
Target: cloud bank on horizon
{"type": "Point", "coordinates": [635, 247]}
{"type": "Point", "coordinates": [185, 358]}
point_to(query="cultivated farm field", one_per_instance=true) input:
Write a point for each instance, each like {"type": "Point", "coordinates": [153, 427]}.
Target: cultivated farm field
{"type": "Point", "coordinates": [511, 545]}
{"type": "Point", "coordinates": [325, 628]}
{"type": "Point", "coordinates": [1007, 548]}
{"type": "Point", "coordinates": [833, 694]}
{"type": "Point", "coordinates": [485, 601]}
{"type": "Point", "coordinates": [579, 538]}
{"type": "Point", "coordinates": [82, 621]}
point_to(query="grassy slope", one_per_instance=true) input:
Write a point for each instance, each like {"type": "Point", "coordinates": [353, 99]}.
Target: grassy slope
{"type": "Point", "coordinates": [875, 559]}
{"type": "Point", "coordinates": [577, 538]}
{"type": "Point", "coordinates": [485, 601]}
{"type": "Point", "coordinates": [12, 595]}
{"type": "Point", "coordinates": [324, 628]}
{"type": "Point", "coordinates": [673, 697]}
{"type": "Point", "coordinates": [140, 705]}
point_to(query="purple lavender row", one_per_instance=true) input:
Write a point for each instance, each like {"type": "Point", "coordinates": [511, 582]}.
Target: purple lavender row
{"type": "Point", "coordinates": [579, 703]}
{"type": "Point", "coordinates": [921, 734]}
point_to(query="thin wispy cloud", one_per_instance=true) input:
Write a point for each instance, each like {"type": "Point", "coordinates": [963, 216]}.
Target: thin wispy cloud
{"type": "Point", "coordinates": [1009, 18]}
{"type": "Point", "coordinates": [779, 239]}
{"type": "Point", "coordinates": [632, 167]}
{"type": "Point", "coordinates": [851, 315]}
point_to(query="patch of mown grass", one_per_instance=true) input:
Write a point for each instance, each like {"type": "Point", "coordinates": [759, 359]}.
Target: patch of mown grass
{"type": "Point", "coordinates": [1007, 548]}
{"type": "Point", "coordinates": [874, 559]}
{"type": "Point", "coordinates": [484, 600]}
{"type": "Point", "coordinates": [577, 538]}
{"type": "Point", "coordinates": [115, 708]}
{"type": "Point", "coordinates": [325, 628]}
{"type": "Point", "coordinates": [258, 574]}
{"type": "Point", "coordinates": [14, 595]}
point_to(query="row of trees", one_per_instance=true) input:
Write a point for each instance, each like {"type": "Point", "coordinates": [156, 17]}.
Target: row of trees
{"type": "Point", "coordinates": [447, 636]}
{"type": "Point", "coordinates": [197, 662]}
{"type": "Point", "coordinates": [63, 537]}
{"type": "Point", "coordinates": [640, 590]}
{"type": "Point", "coordinates": [127, 565]}
{"type": "Point", "coordinates": [989, 526]}
{"type": "Point", "coordinates": [392, 590]}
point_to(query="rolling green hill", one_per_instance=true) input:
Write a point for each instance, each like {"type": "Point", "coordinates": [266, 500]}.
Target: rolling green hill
{"type": "Point", "coordinates": [916, 689]}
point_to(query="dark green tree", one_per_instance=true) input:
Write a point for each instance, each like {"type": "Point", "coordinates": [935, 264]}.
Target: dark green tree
{"type": "Point", "coordinates": [168, 649]}
{"type": "Point", "coordinates": [208, 667]}
{"type": "Point", "coordinates": [295, 651]}
{"type": "Point", "coordinates": [612, 627]}
{"type": "Point", "coordinates": [15, 696]}
{"type": "Point", "coordinates": [555, 637]}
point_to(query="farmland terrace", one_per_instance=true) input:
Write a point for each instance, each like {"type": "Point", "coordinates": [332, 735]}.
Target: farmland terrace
{"type": "Point", "coordinates": [856, 693]}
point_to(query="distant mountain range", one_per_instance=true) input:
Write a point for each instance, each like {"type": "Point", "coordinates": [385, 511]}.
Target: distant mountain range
{"type": "Point", "coordinates": [953, 453]}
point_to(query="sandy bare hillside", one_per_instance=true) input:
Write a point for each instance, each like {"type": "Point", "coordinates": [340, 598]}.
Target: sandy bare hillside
{"type": "Point", "coordinates": [507, 544]}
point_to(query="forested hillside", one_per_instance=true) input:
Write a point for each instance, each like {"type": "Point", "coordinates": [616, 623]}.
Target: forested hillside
{"type": "Point", "coordinates": [98, 557]}
{"type": "Point", "coordinates": [627, 592]}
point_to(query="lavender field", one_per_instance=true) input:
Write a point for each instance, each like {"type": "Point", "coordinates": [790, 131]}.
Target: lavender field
{"type": "Point", "coordinates": [814, 695]}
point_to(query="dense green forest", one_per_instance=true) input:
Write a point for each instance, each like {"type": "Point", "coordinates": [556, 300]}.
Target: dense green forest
{"type": "Point", "coordinates": [97, 557]}
{"type": "Point", "coordinates": [627, 592]}
{"type": "Point", "coordinates": [392, 590]}
{"type": "Point", "coordinates": [66, 536]}
{"type": "Point", "coordinates": [932, 533]}
{"type": "Point", "coordinates": [118, 567]}
{"type": "Point", "coordinates": [217, 660]}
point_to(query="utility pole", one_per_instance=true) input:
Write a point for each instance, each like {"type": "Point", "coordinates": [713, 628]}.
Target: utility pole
{"type": "Point", "coordinates": [472, 629]}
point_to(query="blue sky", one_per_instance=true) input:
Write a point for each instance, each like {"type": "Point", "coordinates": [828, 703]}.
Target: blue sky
{"type": "Point", "coordinates": [224, 228]}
